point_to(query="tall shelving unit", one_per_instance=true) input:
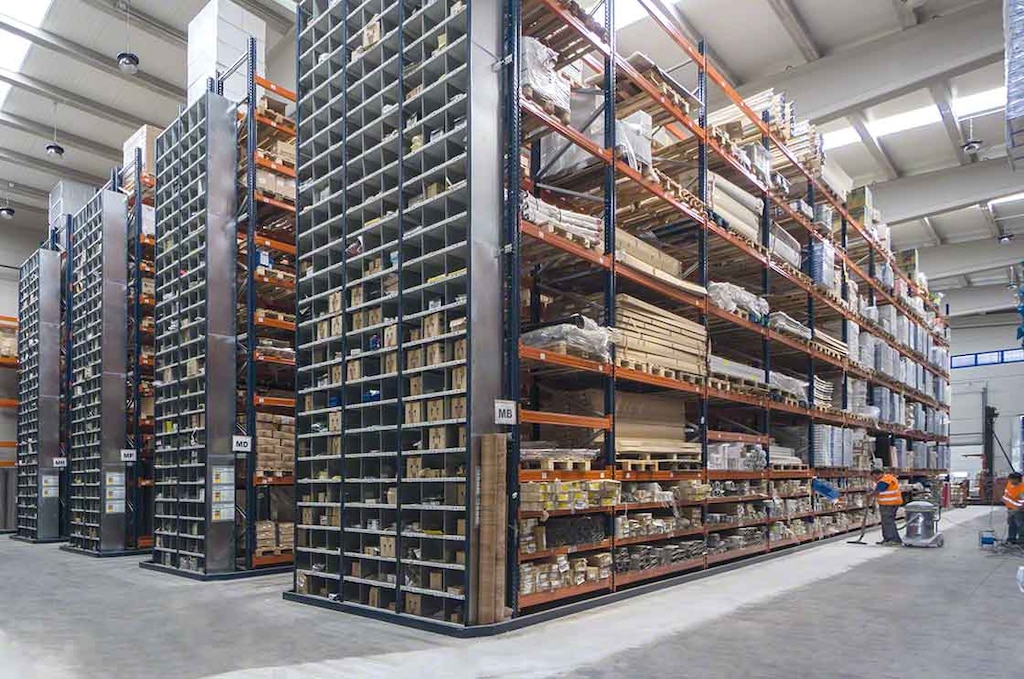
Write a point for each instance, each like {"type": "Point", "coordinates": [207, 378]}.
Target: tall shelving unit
{"type": "Point", "coordinates": [194, 407]}
{"type": "Point", "coordinates": [684, 224]}
{"type": "Point", "coordinates": [9, 449]}
{"type": "Point", "coordinates": [266, 313]}
{"type": "Point", "coordinates": [101, 509]}
{"type": "Point", "coordinates": [397, 338]}
{"type": "Point", "coordinates": [38, 510]}
{"type": "Point", "coordinates": [138, 186]}
{"type": "Point", "coordinates": [397, 265]}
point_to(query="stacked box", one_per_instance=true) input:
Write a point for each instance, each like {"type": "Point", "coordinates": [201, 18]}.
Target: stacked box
{"type": "Point", "coordinates": [218, 37]}
{"type": "Point", "coordinates": [275, 442]}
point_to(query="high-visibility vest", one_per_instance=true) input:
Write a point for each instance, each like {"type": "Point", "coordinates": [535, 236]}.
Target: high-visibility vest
{"type": "Point", "coordinates": [891, 495]}
{"type": "Point", "coordinates": [1012, 496]}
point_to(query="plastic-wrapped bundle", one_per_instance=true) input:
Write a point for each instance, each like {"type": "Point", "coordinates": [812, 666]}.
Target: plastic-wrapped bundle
{"type": "Point", "coordinates": [583, 335]}
{"type": "Point", "coordinates": [538, 73]}
{"type": "Point", "coordinates": [543, 214]}
{"type": "Point", "coordinates": [822, 261]}
{"type": "Point", "coordinates": [780, 320]}
{"type": "Point", "coordinates": [731, 297]}
{"type": "Point", "coordinates": [790, 385]}
{"type": "Point", "coordinates": [724, 366]}
{"type": "Point", "coordinates": [785, 246]}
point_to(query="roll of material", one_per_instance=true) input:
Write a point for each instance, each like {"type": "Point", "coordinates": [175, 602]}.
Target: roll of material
{"type": "Point", "coordinates": [746, 227]}
{"type": "Point", "coordinates": [721, 185]}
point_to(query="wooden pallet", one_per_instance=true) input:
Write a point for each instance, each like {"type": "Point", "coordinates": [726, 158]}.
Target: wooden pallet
{"type": "Point", "coordinates": [549, 106]}
{"type": "Point", "coordinates": [729, 383]}
{"type": "Point", "coordinates": [274, 158]}
{"type": "Point", "coordinates": [788, 467]}
{"type": "Point", "coordinates": [272, 551]}
{"type": "Point", "coordinates": [659, 465]}
{"type": "Point", "coordinates": [549, 465]}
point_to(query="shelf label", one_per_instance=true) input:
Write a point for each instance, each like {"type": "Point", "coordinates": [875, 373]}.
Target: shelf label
{"type": "Point", "coordinates": [224, 476]}
{"type": "Point", "coordinates": [113, 507]}
{"type": "Point", "coordinates": [222, 494]}
{"type": "Point", "coordinates": [51, 491]}
{"type": "Point", "coordinates": [129, 455]}
{"type": "Point", "coordinates": [60, 463]}
{"type": "Point", "coordinates": [222, 512]}
{"type": "Point", "coordinates": [241, 444]}
{"type": "Point", "coordinates": [505, 412]}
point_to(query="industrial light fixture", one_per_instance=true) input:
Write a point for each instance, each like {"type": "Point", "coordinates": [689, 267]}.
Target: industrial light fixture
{"type": "Point", "coordinates": [972, 145]}
{"type": "Point", "coordinates": [53, 148]}
{"type": "Point", "coordinates": [1005, 238]}
{"type": "Point", "coordinates": [128, 61]}
{"type": "Point", "coordinates": [7, 212]}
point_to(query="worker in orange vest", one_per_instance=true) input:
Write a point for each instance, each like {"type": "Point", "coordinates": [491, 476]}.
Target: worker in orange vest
{"type": "Point", "coordinates": [1013, 499]}
{"type": "Point", "coordinates": [887, 492]}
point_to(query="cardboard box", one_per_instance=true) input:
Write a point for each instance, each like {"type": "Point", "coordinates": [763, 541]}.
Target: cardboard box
{"type": "Point", "coordinates": [334, 421]}
{"type": "Point", "coordinates": [413, 604]}
{"type": "Point", "coordinates": [413, 467]}
{"type": "Point", "coordinates": [416, 385]}
{"type": "Point", "coordinates": [437, 581]}
{"type": "Point", "coordinates": [391, 335]}
{"type": "Point", "coordinates": [374, 597]}
{"type": "Point", "coordinates": [437, 438]}
{"type": "Point", "coordinates": [374, 316]}
{"type": "Point", "coordinates": [335, 374]}
{"type": "Point", "coordinates": [334, 302]}
{"type": "Point", "coordinates": [391, 363]}
{"type": "Point", "coordinates": [458, 409]}
{"type": "Point", "coordinates": [460, 350]}
{"type": "Point", "coordinates": [433, 325]}
{"type": "Point", "coordinates": [143, 138]}
{"type": "Point", "coordinates": [414, 358]}
{"type": "Point", "coordinates": [355, 369]}
{"type": "Point", "coordinates": [413, 412]}
{"type": "Point", "coordinates": [387, 546]}
{"type": "Point", "coordinates": [437, 353]}
{"type": "Point", "coordinates": [337, 326]}
{"type": "Point", "coordinates": [436, 410]}
{"type": "Point", "coordinates": [459, 377]}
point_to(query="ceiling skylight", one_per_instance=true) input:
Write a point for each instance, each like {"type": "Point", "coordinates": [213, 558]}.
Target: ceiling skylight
{"type": "Point", "coordinates": [982, 102]}
{"type": "Point", "coordinates": [12, 48]}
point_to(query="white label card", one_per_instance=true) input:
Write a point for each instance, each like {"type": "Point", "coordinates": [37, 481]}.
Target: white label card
{"type": "Point", "coordinates": [505, 412]}
{"type": "Point", "coordinates": [60, 463]}
{"type": "Point", "coordinates": [241, 444]}
{"type": "Point", "coordinates": [129, 455]}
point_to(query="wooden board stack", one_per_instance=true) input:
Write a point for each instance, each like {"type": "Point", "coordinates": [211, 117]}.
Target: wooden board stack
{"type": "Point", "coordinates": [657, 341]}
{"type": "Point", "coordinates": [829, 344]}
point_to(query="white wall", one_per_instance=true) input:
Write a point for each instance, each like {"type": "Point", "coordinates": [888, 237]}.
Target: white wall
{"type": "Point", "coordinates": [15, 247]}
{"type": "Point", "coordinates": [1000, 384]}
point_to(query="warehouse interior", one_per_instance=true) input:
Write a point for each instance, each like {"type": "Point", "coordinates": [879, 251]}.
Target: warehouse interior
{"type": "Point", "coordinates": [291, 373]}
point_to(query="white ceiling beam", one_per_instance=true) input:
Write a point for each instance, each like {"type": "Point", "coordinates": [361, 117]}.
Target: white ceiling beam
{"type": "Point", "coordinates": [683, 24]}
{"type": "Point", "coordinates": [934, 193]}
{"type": "Point", "coordinates": [874, 147]}
{"type": "Point", "coordinates": [980, 299]}
{"type": "Point", "coordinates": [862, 76]}
{"type": "Point", "coordinates": [905, 13]}
{"type": "Point", "coordinates": [797, 29]}
{"type": "Point", "coordinates": [932, 232]}
{"type": "Point", "coordinates": [64, 138]}
{"type": "Point", "coordinates": [52, 92]}
{"type": "Point", "coordinates": [80, 53]}
{"type": "Point", "coordinates": [61, 171]}
{"type": "Point", "coordinates": [31, 192]}
{"type": "Point", "coordinates": [961, 259]}
{"type": "Point", "coordinates": [25, 207]}
{"type": "Point", "coordinates": [141, 21]}
{"type": "Point", "coordinates": [943, 98]}
{"type": "Point", "coordinates": [994, 228]}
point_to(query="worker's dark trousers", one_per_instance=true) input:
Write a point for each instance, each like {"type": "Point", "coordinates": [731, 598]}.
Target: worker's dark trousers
{"type": "Point", "coordinates": [1014, 525]}
{"type": "Point", "coordinates": [889, 532]}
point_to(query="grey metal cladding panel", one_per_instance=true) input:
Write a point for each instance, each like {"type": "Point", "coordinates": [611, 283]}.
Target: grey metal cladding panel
{"type": "Point", "coordinates": [221, 309]}
{"type": "Point", "coordinates": [48, 405]}
{"type": "Point", "coordinates": [485, 171]}
{"type": "Point", "coordinates": [114, 356]}
{"type": "Point", "coordinates": [222, 253]}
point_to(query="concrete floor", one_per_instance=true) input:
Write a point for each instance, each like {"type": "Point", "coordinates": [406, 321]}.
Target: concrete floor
{"type": "Point", "coordinates": [831, 611]}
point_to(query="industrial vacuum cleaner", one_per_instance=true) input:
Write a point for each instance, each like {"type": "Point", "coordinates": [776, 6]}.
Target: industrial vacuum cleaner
{"type": "Point", "coordinates": [922, 525]}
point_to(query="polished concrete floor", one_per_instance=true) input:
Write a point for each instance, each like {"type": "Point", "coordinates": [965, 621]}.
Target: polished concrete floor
{"type": "Point", "coordinates": [837, 610]}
